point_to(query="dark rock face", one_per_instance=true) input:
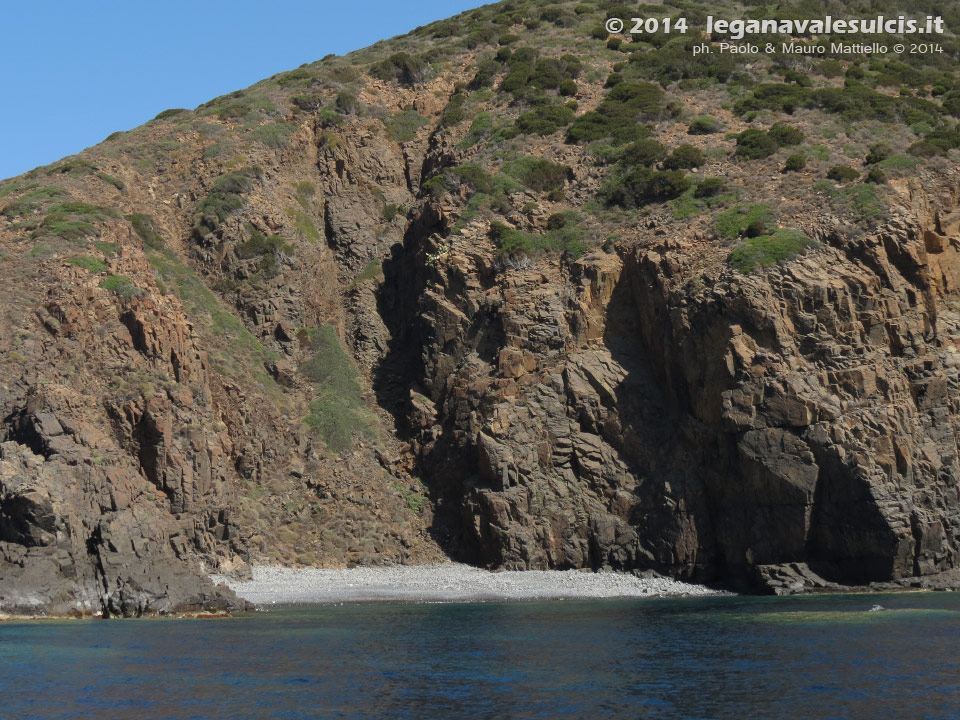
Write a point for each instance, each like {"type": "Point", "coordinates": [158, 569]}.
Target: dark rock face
{"type": "Point", "coordinates": [62, 556]}
{"type": "Point", "coordinates": [637, 414]}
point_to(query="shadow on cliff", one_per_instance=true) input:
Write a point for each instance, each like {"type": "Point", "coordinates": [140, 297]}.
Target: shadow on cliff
{"type": "Point", "coordinates": [657, 438]}
{"type": "Point", "coordinates": [397, 377]}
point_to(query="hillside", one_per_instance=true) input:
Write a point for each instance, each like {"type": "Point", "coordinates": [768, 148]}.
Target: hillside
{"type": "Point", "coordinates": [507, 289]}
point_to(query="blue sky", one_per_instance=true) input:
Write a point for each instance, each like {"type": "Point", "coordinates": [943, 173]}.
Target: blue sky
{"type": "Point", "coordinates": [73, 72]}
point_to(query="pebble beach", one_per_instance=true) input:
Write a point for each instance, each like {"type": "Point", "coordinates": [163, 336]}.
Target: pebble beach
{"type": "Point", "coordinates": [445, 583]}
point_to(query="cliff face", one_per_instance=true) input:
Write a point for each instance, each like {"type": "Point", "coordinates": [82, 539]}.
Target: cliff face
{"type": "Point", "coordinates": [626, 415]}
{"type": "Point", "coordinates": [236, 335]}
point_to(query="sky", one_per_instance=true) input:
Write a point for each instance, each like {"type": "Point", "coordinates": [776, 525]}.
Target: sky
{"type": "Point", "coordinates": [73, 72]}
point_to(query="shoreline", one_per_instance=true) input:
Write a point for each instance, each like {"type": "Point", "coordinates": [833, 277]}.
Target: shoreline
{"type": "Point", "coordinates": [451, 582]}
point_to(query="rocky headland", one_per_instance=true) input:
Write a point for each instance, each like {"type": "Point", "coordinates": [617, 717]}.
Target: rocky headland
{"type": "Point", "coordinates": [384, 309]}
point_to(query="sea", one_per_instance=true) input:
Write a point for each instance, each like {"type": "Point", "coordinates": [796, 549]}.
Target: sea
{"type": "Point", "coordinates": [819, 656]}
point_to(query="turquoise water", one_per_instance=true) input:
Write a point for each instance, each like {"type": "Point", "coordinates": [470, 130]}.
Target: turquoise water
{"type": "Point", "coordinates": [809, 657]}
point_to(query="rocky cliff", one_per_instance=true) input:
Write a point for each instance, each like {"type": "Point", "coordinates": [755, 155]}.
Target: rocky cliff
{"type": "Point", "coordinates": [386, 309]}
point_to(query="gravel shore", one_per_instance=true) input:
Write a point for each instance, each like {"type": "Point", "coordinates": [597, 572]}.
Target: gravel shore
{"type": "Point", "coordinates": [444, 583]}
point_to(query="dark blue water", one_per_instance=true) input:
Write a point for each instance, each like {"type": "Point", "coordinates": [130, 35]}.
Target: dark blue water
{"type": "Point", "coordinates": [811, 657]}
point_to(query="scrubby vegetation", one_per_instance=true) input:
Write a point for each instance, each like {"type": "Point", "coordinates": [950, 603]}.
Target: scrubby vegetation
{"type": "Point", "coordinates": [735, 221]}
{"type": "Point", "coordinates": [704, 125]}
{"type": "Point", "coordinates": [684, 157]}
{"type": "Point", "coordinates": [402, 126]}
{"type": "Point", "coordinates": [566, 237]}
{"type": "Point", "coordinates": [539, 173]}
{"type": "Point", "coordinates": [616, 118]}
{"type": "Point", "coordinates": [761, 250]}
{"type": "Point", "coordinates": [225, 198]}
{"type": "Point", "coordinates": [843, 173]}
{"type": "Point", "coordinates": [144, 227]}
{"type": "Point", "coordinates": [402, 68]}
{"type": "Point", "coordinates": [338, 410]}
{"type": "Point", "coordinates": [121, 286]}
{"type": "Point", "coordinates": [89, 263]}
{"type": "Point", "coordinates": [275, 135]}
{"type": "Point", "coordinates": [795, 163]}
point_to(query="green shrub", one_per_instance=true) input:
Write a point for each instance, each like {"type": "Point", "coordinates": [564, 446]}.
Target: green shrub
{"type": "Point", "coordinates": [781, 246]}
{"type": "Point", "coordinates": [403, 126]}
{"type": "Point", "coordinates": [842, 173]}
{"type": "Point", "coordinates": [782, 97]}
{"type": "Point", "coordinates": [89, 263]}
{"type": "Point", "coordinates": [755, 145]}
{"type": "Point", "coordinates": [347, 103]}
{"type": "Point", "coordinates": [878, 153]}
{"type": "Point", "coordinates": [924, 148]}
{"type": "Point", "coordinates": [795, 163]}
{"type": "Point", "coordinates": [684, 157]}
{"type": "Point", "coordinates": [830, 68]}
{"type": "Point", "coordinates": [121, 286]}
{"type": "Point", "coordinates": [143, 225]}
{"type": "Point", "coordinates": [225, 198]}
{"type": "Point", "coordinates": [572, 66]}
{"type": "Point", "coordinates": [487, 71]}
{"type": "Point", "coordinates": [547, 74]}
{"type": "Point", "coordinates": [234, 111]}
{"type": "Point", "coordinates": [864, 200]}
{"type": "Point", "coordinates": [539, 173]}
{"type": "Point", "coordinates": [300, 76]}
{"type": "Point", "coordinates": [709, 187]}
{"type": "Point", "coordinates": [566, 237]}
{"type": "Point", "coordinates": [403, 68]}
{"type": "Point", "coordinates": [545, 120]}
{"type": "Point", "coordinates": [480, 129]}
{"type": "Point", "coordinates": [646, 153]}
{"type": "Point", "coordinates": [308, 103]}
{"type": "Point", "coordinates": [172, 112]}
{"type": "Point", "coordinates": [275, 135]}
{"type": "Point", "coordinates": [391, 210]}
{"type": "Point", "coordinates": [74, 166]}
{"type": "Point", "coordinates": [614, 79]}
{"type": "Point", "coordinates": [857, 102]}
{"type": "Point", "coordinates": [876, 176]}
{"type": "Point", "coordinates": [785, 135]}
{"type": "Point", "coordinates": [614, 43]}
{"type": "Point", "coordinates": [756, 228]}
{"type": "Point", "coordinates": [735, 221]}
{"type": "Point", "coordinates": [568, 88]}
{"type": "Point", "coordinates": [794, 76]}
{"type": "Point", "coordinates": [481, 36]}
{"type": "Point", "coordinates": [65, 226]}
{"type": "Point", "coordinates": [111, 180]}
{"type": "Point", "coordinates": [338, 411]}
{"type": "Point", "coordinates": [618, 116]}
{"type": "Point", "coordinates": [454, 111]}
{"type": "Point", "coordinates": [472, 175]}
{"type": "Point", "coordinates": [259, 245]}
{"type": "Point", "coordinates": [18, 208]}
{"type": "Point", "coordinates": [899, 162]}
{"type": "Point", "coordinates": [704, 125]}
{"type": "Point", "coordinates": [97, 212]}
{"type": "Point", "coordinates": [642, 186]}
{"type": "Point", "coordinates": [373, 270]}
{"type": "Point", "coordinates": [303, 224]}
